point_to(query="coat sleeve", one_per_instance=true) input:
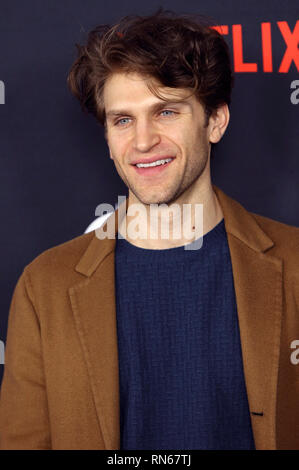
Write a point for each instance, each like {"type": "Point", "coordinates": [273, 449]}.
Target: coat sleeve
{"type": "Point", "coordinates": [24, 419]}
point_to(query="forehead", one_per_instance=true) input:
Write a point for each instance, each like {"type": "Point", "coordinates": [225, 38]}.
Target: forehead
{"type": "Point", "coordinates": [123, 89]}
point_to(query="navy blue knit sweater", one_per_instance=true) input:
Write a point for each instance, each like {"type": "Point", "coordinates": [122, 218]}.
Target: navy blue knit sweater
{"type": "Point", "coordinates": [180, 362]}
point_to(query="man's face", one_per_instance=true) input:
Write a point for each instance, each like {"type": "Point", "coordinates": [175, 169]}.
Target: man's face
{"type": "Point", "coordinates": [141, 126]}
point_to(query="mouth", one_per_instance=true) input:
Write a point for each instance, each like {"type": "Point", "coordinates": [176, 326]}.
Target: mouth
{"type": "Point", "coordinates": [153, 170]}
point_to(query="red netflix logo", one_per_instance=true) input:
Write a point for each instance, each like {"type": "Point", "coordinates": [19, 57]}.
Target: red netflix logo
{"type": "Point", "coordinates": [291, 39]}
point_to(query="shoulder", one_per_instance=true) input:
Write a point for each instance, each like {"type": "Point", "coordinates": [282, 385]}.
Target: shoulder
{"type": "Point", "coordinates": [284, 236]}
{"type": "Point", "coordinates": [69, 252]}
{"type": "Point", "coordinates": [57, 264]}
{"type": "Point", "coordinates": [286, 241]}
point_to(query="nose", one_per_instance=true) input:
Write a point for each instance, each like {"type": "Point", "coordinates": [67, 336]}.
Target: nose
{"type": "Point", "coordinates": [146, 136]}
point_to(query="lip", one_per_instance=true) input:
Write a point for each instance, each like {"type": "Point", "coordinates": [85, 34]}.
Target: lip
{"type": "Point", "coordinates": [152, 159]}
{"type": "Point", "coordinates": [154, 170]}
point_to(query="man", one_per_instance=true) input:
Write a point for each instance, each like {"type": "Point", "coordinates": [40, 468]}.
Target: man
{"type": "Point", "coordinates": [144, 343]}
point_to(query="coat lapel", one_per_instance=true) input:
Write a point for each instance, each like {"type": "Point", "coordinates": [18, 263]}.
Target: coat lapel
{"type": "Point", "coordinates": [94, 309]}
{"type": "Point", "coordinates": [258, 286]}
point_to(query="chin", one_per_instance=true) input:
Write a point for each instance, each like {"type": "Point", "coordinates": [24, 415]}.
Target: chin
{"type": "Point", "coordinates": [162, 197]}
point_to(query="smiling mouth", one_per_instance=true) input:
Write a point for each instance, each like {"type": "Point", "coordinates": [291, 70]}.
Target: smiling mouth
{"type": "Point", "coordinates": [153, 169]}
{"type": "Point", "coordinates": [157, 162]}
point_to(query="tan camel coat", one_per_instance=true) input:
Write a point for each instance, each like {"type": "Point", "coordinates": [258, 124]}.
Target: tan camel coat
{"type": "Point", "coordinates": [60, 383]}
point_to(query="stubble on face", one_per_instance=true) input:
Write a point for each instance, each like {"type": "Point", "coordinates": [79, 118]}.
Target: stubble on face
{"type": "Point", "coordinates": [185, 138]}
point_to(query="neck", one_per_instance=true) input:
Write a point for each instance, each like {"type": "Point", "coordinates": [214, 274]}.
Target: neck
{"type": "Point", "coordinates": [169, 227]}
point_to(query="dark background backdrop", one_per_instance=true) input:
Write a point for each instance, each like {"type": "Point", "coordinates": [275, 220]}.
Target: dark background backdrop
{"type": "Point", "coordinates": [54, 163]}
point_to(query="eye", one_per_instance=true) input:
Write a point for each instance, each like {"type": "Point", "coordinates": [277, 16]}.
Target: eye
{"type": "Point", "coordinates": [119, 121]}
{"type": "Point", "coordinates": [168, 111]}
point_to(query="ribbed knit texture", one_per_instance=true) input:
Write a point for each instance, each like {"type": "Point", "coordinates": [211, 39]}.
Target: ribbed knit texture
{"type": "Point", "coordinates": [180, 362]}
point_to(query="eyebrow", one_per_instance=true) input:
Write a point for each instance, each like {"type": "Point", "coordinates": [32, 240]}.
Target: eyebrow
{"type": "Point", "coordinates": [153, 107]}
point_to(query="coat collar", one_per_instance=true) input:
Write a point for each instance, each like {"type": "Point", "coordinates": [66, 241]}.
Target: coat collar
{"type": "Point", "coordinates": [258, 286]}
{"type": "Point", "coordinates": [238, 222]}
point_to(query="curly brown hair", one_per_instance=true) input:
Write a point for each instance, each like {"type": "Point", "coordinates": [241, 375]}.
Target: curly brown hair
{"type": "Point", "coordinates": [177, 51]}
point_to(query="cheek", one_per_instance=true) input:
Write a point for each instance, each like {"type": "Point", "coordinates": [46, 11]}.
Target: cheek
{"type": "Point", "coordinates": [116, 149]}
{"type": "Point", "coordinates": [199, 140]}
{"type": "Point", "coordinates": [176, 139]}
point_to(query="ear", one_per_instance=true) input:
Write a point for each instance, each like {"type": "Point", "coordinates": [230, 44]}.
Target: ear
{"type": "Point", "coordinates": [218, 123]}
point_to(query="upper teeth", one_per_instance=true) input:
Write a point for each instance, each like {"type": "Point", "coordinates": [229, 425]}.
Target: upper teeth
{"type": "Point", "coordinates": [158, 162]}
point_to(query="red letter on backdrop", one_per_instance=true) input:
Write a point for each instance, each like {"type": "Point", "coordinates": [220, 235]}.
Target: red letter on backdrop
{"type": "Point", "coordinates": [291, 40]}
{"type": "Point", "coordinates": [223, 29]}
{"type": "Point", "coordinates": [240, 66]}
{"type": "Point", "coordinates": [267, 47]}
